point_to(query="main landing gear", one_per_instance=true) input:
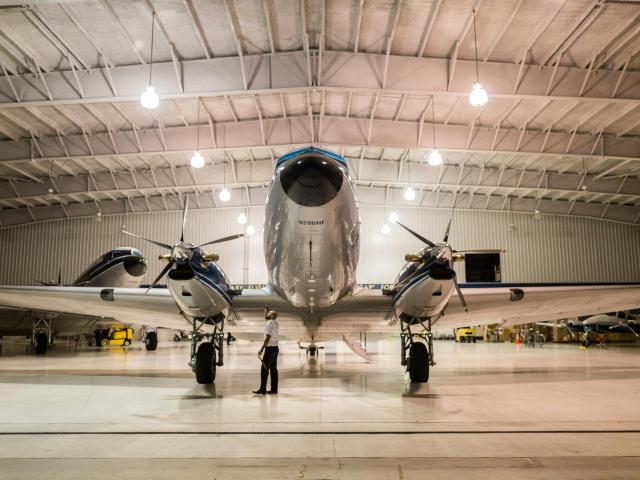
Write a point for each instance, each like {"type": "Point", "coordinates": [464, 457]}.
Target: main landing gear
{"type": "Point", "coordinates": [150, 338]}
{"type": "Point", "coordinates": [416, 350]}
{"type": "Point", "coordinates": [41, 335]}
{"type": "Point", "coordinates": [209, 354]}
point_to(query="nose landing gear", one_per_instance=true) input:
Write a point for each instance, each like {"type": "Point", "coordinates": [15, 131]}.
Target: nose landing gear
{"type": "Point", "coordinates": [419, 347]}
{"type": "Point", "coordinates": [209, 355]}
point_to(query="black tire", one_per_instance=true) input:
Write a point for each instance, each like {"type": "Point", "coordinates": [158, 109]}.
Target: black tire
{"type": "Point", "coordinates": [206, 363]}
{"type": "Point", "coordinates": [474, 339]}
{"type": "Point", "coordinates": [177, 338]}
{"type": "Point", "coordinates": [105, 342]}
{"type": "Point", "coordinates": [418, 363]}
{"type": "Point", "coordinates": [151, 341]}
{"type": "Point", "coordinates": [127, 343]}
{"type": "Point", "coordinates": [41, 341]}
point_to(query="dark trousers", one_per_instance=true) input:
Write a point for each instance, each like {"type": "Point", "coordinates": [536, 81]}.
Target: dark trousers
{"type": "Point", "coordinates": [269, 366]}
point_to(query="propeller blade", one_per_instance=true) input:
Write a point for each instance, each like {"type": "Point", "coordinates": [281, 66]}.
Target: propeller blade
{"type": "Point", "coordinates": [163, 245]}
{"type": "Point", "coordinates": [480, 250]}
{"type": "Point", "coordinates": [59, 276]}
{"type": "Point", "coordinates": [223, 239]}
{"type": "Point", "coordinates": [453, 210]}
{"type": "Point", "coordinates": [460, 296]}
{"type": "Point", "coordinates": [417, 235]}
{"type": "Point", "coordinates": [162, 274]}
{"type": "Point", "coordinates": [184, 218]}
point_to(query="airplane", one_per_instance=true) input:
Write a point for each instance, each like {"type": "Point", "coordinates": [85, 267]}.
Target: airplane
{"type": "Point", "coordinates": [120, 267]}
{"type": "Point", "coordinates": [602, 323]}
{"type": "Point", "coordinates": [311, 245]}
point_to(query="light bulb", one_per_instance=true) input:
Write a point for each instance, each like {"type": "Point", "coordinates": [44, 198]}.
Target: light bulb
{"type": "Point", "coordinates": [149, 98]}
{"type": "Point", "coordinates": [409, 194]}
{"type": "Point", "coordinates": [385, 229]}
{"type": "Point", "coordinates": [242, 219]}
{"type": "Point", "coordinates": [224, 195]}
{"type": "Point", "coordinates": [250, 230]}
{"type": "Point", "coordinates": [478, 96]}
{"type": "Point", "coordinates": [394, 217]}
{"type": "Point", "coordinates": [197, 160]}
{"type": "Point", "coordinates": [435, 158]}
{"type": "Point", "coordinates": [50, 191]}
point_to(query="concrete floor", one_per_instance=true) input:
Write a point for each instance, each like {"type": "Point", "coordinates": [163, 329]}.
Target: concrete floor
{"type": "Point", "coordinates": [490, 411]}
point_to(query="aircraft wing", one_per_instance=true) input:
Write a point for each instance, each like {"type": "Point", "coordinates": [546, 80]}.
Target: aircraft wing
{"type": "Point", "coordinates": [538, 303]}
{"type": "Point", "coordinates": [369, 310]}
{"type": "Point", "coordinates": [126, 305]}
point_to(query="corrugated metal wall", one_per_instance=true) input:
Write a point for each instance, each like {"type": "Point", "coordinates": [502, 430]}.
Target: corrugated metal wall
{"type": "Point", "coordinates": [553, 249]}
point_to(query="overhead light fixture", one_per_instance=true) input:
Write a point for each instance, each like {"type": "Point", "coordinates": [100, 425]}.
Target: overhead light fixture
{"type": "Point", "coordinates": [224, 195]}
{"type": "Point", "coordinates": [394, 217]}
{"type": "Point", "coordinates": [149, 99]}
{"type": "Point", "coordinates": [409, 194]}
{"type": "Point", "coordinates": [478, 96]}
{"type": "Point", "coordinates": [99, 217]}
{"type": "Point", "coordinates": [536, 215]}
{"type": "Point", "coordinates": [197, 161]}
{"type": "Point", "coordinates": [435, 158]}
{"type": "Point", "coordinates": [242, 219]}
{"type": "Point", "coordinates": [250, 230]}
{"type": "Point", "coordinates": [50, 191]}
{"type": "Point", "coordinates": [385, 229]}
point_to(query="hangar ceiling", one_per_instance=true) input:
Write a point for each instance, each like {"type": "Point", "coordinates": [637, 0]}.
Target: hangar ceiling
{"type": "Point", "coordinates": [252, 79]}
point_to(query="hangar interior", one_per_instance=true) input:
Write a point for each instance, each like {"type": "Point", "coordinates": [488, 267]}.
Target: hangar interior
{"type": "Point", "coordinates": [544, 174]}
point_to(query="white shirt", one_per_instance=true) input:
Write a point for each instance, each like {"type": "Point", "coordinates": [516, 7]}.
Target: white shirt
{"type": "Point", "coordinates": [271, 328]}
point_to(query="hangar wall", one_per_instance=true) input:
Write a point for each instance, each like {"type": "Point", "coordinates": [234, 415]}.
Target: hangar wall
{"type": "Point", "coordinates": [552, 249]}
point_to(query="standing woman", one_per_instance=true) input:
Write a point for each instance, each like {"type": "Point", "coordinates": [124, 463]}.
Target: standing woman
{"type": "Point", "coordinates": [270, 350]}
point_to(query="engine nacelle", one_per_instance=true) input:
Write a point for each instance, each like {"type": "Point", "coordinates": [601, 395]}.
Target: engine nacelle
{"type": "Point", "coordinates": [426, 295]}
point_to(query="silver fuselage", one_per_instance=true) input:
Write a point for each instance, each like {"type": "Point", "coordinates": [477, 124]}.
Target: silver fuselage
{"type": "Point", "coordinates": [311, 252]}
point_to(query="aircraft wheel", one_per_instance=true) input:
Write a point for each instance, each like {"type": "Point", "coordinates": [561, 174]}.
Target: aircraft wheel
{"type": "Point", "coordinates": [104, 342]}
{"type": "Point", "coordinates": [206, 363]}
{"type": "Point", "coordinates": [41, 341]}
{"type": "Point", "coordinates": [177, 338]}
{"type": "Point", "coordinates": [151, 341]}
{"type": "Point", "coordinates": [418, 363]}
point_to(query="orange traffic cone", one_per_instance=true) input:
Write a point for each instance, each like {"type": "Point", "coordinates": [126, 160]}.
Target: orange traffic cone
{"type": "Point", "coordinates": [518, 338]}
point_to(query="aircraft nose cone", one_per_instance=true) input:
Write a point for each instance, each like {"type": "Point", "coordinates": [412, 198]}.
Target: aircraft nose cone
{"type": "Point", "coordinates": [311, 180]}
{"type": "Point", "coordinates": [135, 266]}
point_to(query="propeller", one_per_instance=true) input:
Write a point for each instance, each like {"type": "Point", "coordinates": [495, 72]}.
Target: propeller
{"type": "Point", "coordinates": [180, 250]}
{"type": "Point", "coordinates": [417, 235]}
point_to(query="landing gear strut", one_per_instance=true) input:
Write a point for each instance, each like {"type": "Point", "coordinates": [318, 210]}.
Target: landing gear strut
{"type": "Point", "coordinates": [41, 334]}
{"type": "Point", "coordinates": [209, 354]}
{"type": "Point", "coordinates": [419, 347]}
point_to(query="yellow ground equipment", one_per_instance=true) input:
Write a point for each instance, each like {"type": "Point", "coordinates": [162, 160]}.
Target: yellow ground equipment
{"type": "Point", "coordinates": [117, 336]}
{"type": "Point", "coordinates": [465, 335]}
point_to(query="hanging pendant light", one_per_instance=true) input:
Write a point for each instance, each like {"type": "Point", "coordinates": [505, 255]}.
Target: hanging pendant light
{"type": "Point", "coordinates": [197, 160]}
{"type": "Point", "coordinates": [242, 219]}
{"type": "Point", "coordinates": [385, 229]}
{"type": "Point", "coordinates": [394, 217]}
{"type": "Point", "coordinates": [250, 230]}
{"type": "Point", "coordinates": [434, 158]}
{"type": "Point", "coordinates": [478, 96]}
{"type": "Point", "coordinates": [225, 193]}
{"type": "Point", "coordinates": [409, 194]}
{"type": "Point", "coordinates": [149, 98]}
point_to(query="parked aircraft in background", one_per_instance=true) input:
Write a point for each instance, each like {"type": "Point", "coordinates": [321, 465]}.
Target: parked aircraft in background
{"type": "Point", "coordinates": [311, 244]}
{"type": "Point", "coordinates": [601, 324]}
{"type": "Point", "coordinates": [121, 267]}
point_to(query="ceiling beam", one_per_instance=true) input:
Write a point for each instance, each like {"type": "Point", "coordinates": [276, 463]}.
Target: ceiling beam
{"type": "Point", "coordinates": [363, 72]}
